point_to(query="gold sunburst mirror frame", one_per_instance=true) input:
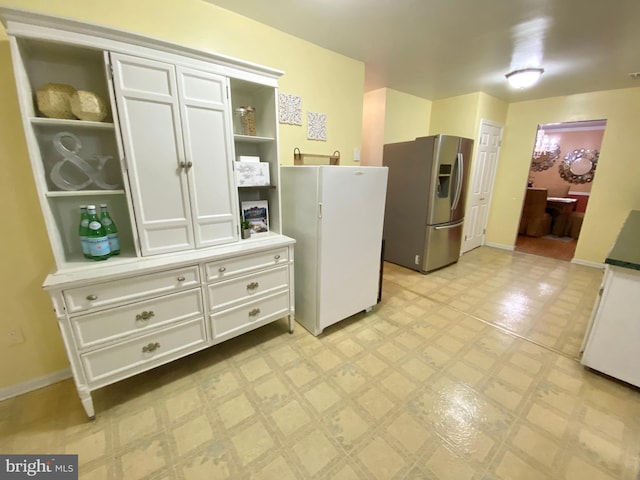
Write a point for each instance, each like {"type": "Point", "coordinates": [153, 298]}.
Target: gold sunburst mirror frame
{"type": "Point", "coordinates": [579, 166]}
{"type": "Point", "coordinates": [545, 160]}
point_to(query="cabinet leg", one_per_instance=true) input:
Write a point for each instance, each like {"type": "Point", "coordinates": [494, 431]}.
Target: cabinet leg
{"type": "Point", "coordinates": [291, 319]}
{"type": "Point", "coordinates": [368, 309]}
{"type": "Point", "coordinates": [87, 403]}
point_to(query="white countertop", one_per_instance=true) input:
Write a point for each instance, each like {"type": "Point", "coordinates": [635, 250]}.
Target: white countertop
{"type": "Point", "coordinates": [561, 199]}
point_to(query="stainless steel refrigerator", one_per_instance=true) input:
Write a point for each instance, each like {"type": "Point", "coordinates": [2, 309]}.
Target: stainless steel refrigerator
{"type": "Point", "coordinates": [335, 214]}
{"type": "Point", "coordinates": [426, 193]}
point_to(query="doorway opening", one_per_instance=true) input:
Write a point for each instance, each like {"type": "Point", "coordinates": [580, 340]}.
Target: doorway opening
{"type": "Point", "coordinates": [563, 167]}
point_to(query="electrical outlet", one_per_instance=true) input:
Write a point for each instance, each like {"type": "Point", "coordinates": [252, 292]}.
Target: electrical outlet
{"type": "Point", "coordinates": [14, 336]}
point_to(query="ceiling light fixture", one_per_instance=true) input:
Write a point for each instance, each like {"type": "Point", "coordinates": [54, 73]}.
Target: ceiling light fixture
{"type": "Point", "coordinates": [525, 77]}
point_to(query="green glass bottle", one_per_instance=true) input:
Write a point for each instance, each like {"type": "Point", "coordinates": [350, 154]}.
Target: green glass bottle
{"type": "Point", "coordinates": [97, 237]}
{"type": "Point", "coordinates": [111, 229]}
{"type": "Point", "coordinates": [83, 231]}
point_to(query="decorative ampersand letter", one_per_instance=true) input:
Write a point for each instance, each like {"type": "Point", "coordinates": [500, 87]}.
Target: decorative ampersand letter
{"type": "Point", "coordinates": [93, 174]}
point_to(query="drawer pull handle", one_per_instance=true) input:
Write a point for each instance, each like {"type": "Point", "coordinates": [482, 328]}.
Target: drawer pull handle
{"type": "Point", "coordinates": [145, 315]}
{"type": "Point", "coordinates": [222, 269]}
{"type": "Point", "coordinates": [253, 286]}
{"type": "Point", "coordinates": [277, 257]}
{"type": "Point", "coordinates": [91, 298]}
{"type": "Point", "coordinates": [254, 312]}
{"type": "Point", "coordinates": [152, 347]}
{"type": "Point", "coordinates": [181, 279]}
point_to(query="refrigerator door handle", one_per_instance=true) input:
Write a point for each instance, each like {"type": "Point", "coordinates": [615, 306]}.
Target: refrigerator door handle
{"type": "Point", "coordinates": [445, 227]}
{"type": "Point", "coordinates": [459, 182]}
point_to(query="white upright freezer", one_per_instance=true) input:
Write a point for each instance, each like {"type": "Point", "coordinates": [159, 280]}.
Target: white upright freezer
{"type": "Point", "coordinates": [335, 214]}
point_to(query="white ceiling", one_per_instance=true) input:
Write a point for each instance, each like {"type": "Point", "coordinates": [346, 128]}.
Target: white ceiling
{"type": "Point", "coordinates": [442, 48]}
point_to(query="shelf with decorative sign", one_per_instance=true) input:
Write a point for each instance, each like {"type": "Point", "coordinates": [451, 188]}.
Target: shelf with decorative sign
{"type": "Point", "coordinates": [300, 158]}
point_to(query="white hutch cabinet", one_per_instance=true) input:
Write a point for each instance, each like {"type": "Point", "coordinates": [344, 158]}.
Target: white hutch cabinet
{"type": "Point", "coordinates": [163, 161]}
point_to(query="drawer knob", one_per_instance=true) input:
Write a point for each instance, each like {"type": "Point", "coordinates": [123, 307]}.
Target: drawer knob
{"type": "Point", "coordinates": [254, 312]}
{"type": "Point", "coordinates": [253, 286]}
{"type": "Point", "coordinates": [91, 298]}
{"type": "Point", "coordinates": [145, 315]}
{"type": "Point", "coordinates": [152, 347]}
{"type": "Point", "coordinates": [277, 257]}
{"type": "Point", "coordinates": [222, 269]}
{"type": "Point", "coordinates": [181, 279]}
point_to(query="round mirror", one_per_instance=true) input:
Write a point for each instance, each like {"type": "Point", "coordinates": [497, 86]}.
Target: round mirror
{"type": "Point", "coordinates": [579, 166]}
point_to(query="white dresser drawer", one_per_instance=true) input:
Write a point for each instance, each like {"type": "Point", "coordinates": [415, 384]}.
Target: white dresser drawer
{"type": "Point", "coordinates": [124, 359]}
{"type": "Point", "coordinates": [229, 323]}
{"type": "Point", "coordinates": [245, 264]}
{"type": "Point", "coordinates": [243, 289]}
{"type": "Point", "coordinates": [115, 323]}
{"type": "Point", "coordinates": [129, 289]}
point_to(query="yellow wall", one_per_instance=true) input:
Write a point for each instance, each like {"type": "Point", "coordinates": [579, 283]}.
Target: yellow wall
{"type": "Point", "coordinates": [407, 117]}
{"type": "Point", "coordinates": [455, 116]}
{"type": "Point", "coordinates": [461, 115]}
{"type": "Point", "coordinates": [373, 117]}
{"type": "Point", "coordinates": [492, 109]}
{"type": "Point", "coordinates": [327, 82]}
{"type": "Point", "coordinates": [25, 253]}
{"type": "Point", "coordinates": [391, 116]}
{"type": "Point", "coordinates": [615, 189]}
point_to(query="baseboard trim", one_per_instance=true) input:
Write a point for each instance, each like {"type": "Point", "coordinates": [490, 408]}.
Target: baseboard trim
{"type": "Point", "coordinates": [577, 261]}
{"type": "Point", "coordinates": [34, 384]}
{"type": "Point", "coordinates": [501, 246]}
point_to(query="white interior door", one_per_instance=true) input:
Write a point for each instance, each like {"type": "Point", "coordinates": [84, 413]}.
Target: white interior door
{"type": "Point", "coordinates": [481, 186]}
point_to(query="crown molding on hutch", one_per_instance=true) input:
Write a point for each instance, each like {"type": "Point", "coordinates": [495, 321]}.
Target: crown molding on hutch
{"type": "Point", "coordinates": [23, 23]}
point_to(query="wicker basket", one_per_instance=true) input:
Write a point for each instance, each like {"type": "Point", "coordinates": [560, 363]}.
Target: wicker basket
{"type": "Point", "coordinates": [53, 100]}
{"type": "Point", "coordinates": [88, 106]}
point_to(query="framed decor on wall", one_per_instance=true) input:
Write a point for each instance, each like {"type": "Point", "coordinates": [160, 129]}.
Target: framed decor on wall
{"type": "Point", "coordinates": [317, 126]}
{"type": "Point", "coordinates": [290, 108]}
{"type": "Point", "coordinates": [256, 212]}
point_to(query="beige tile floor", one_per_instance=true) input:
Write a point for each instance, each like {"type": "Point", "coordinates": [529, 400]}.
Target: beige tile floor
{"type": "Point", "coordinates": [470, 372]}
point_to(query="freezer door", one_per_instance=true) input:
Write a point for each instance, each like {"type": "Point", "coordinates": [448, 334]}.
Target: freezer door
{"type": "Point", "coordinates": [352, 203]}
{"type": "Point", "coordinates": [442, 246]}
{"type": "Point", "coordinates": [446, 181]}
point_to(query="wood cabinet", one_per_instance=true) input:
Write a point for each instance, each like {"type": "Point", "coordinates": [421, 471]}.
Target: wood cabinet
{"type": "Point", "coordinates": [163, 161]}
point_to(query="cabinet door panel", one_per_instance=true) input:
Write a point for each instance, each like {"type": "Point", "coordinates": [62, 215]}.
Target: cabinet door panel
{"type": "Point", "coordinates": [205, 116]}
{"type": "Point", "coordinates": [147, 100]}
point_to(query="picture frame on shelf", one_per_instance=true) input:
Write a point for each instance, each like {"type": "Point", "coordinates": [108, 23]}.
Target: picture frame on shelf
{"type": "Point", "coordinates": [256, 212]}
{"type": "Point", "coordinates": [252, 174]}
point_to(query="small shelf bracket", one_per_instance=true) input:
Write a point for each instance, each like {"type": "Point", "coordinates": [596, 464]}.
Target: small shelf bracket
{"type": "Point", "coordinates": [300, 158]}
